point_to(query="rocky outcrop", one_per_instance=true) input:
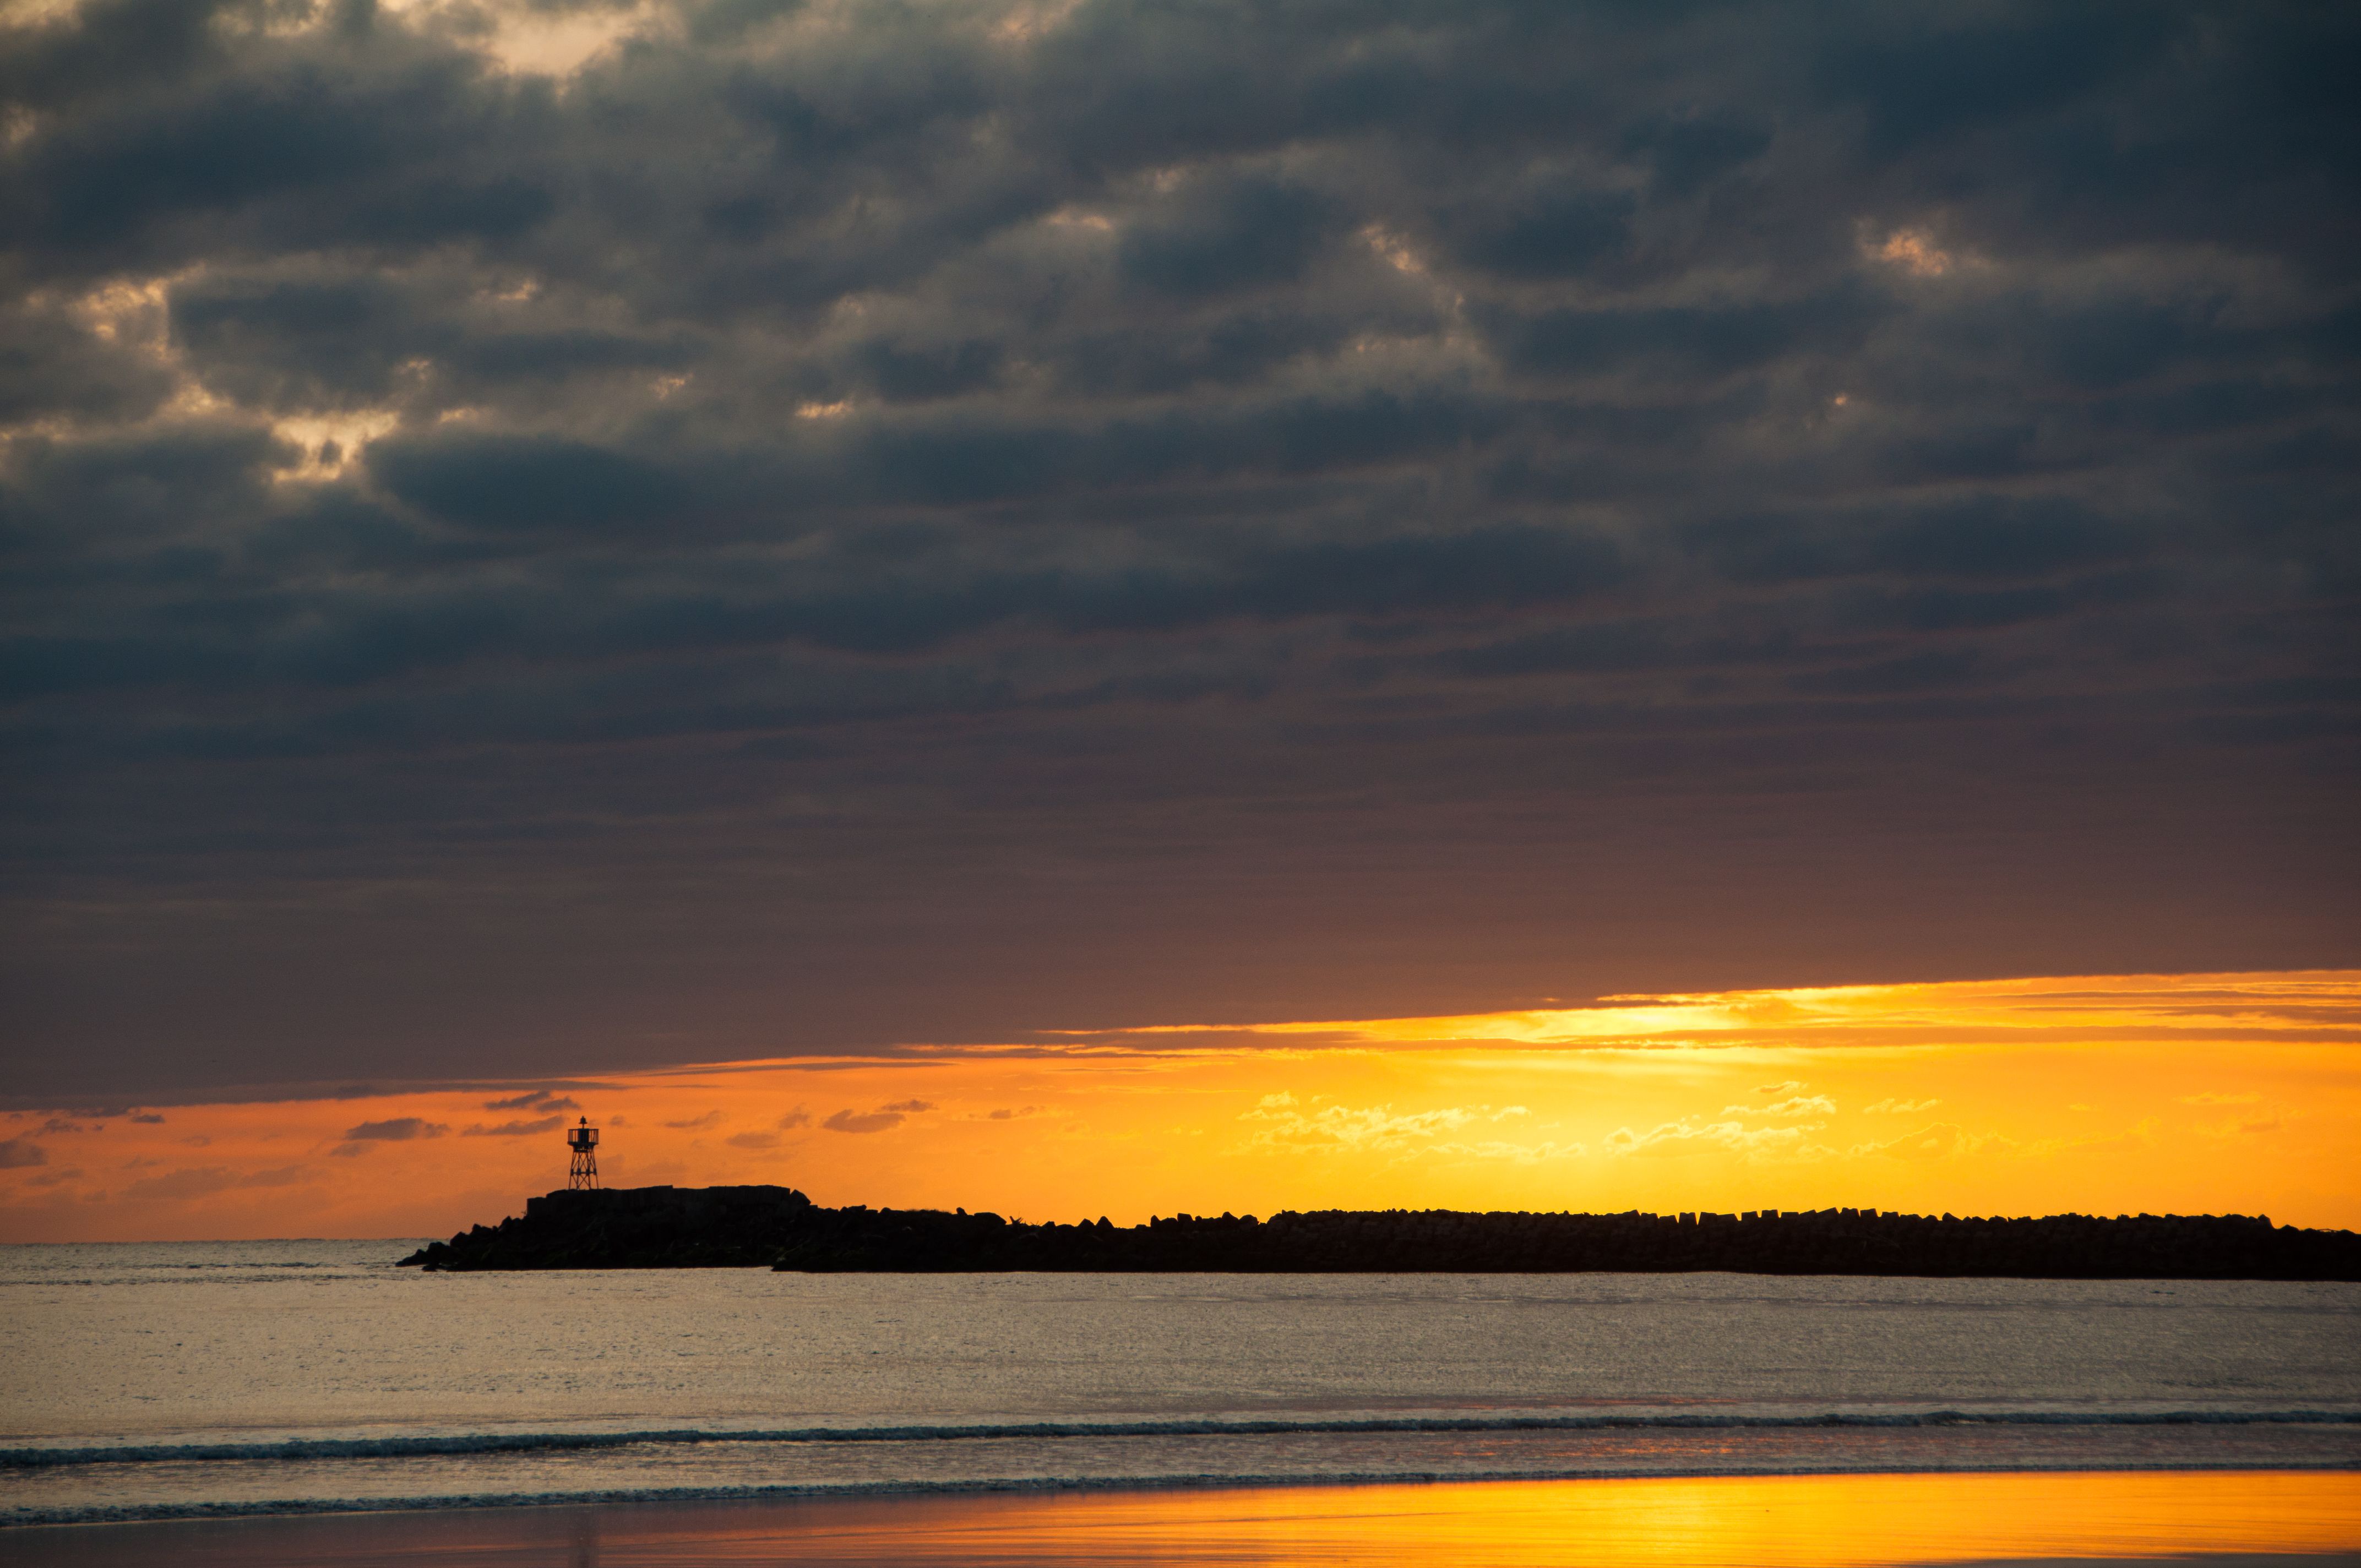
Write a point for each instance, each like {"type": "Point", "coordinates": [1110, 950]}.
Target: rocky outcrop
{"type": "Point", "coordinates": [722, 1227]}
{"type": "Point", "coordinates": [634, 1227]}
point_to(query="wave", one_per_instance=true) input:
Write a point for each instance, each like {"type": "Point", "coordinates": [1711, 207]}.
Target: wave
{"type": "Point", "coordinates": [529, 1443]}
{"type": "Point", "coordinates": [129, 1513]}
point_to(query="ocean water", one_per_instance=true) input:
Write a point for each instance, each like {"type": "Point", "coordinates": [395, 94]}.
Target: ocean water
{"type": "Point", "coordinates": [177, 1380]}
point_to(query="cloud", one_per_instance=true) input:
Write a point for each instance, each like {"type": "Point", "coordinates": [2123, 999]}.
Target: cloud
{"type": "Point", "coordinates": [1915, 252]}
{"type": "Point", "coordinates": [1796, 1106]}
{"type": "Point", "coordinates": [1900, 1107]}
{"type": "Point", "coordinates": [535, 1099]}
{"type": "Point", "coordinates": [180, 1186]}
{"type": "Point", "coordinates": [1341, 1129]}
{"type": "Point", "coordinates": [1311, 427]}
{"type": "Point", "coordinates": [1936, 1142]}
{"type": "Point", "coordinates": [884, 1119]}
{"type": "Point", "coordinates": [360, 1139]}
{"type": "Point", "coordinates": [1669, 1139]}
{"type": "Point", "coordinates": [20, 1154]}
{"type": "Point", "coordinates": [515, 1129]}
{"type": "Point", "coordinates": [752, 1140]}
{"type": "Point", "coordinates": [864, 1121]}
{"type": "Point", "coordinates": [693, 1124]}
{"type": "Point", "coordinates": [798, 1117]}
{"type": "Point", "coordinates": [2211, 1098]}
{"type": "Point", "coordinates": [190, 1183]}
{"type": "Point", "coordinates": [279, 1176]}
{"type": "Point", "coordinates": [395, 1130]}
{"type": "Point", "coordinates": [1512, 1153]}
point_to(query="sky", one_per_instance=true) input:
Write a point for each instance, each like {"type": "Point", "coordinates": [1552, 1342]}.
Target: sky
{"type": "Point", "coordinates": [2103, 1094]}
{"type": "Point", "coordinates": [551, 543]}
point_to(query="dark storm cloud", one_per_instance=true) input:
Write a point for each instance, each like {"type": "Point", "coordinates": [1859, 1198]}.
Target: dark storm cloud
{"type": "Point", "coordinates": [823, 524]}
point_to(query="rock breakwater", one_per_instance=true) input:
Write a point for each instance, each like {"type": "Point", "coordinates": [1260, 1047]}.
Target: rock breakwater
{"type": "Point", "coordinates": [720, 1227]}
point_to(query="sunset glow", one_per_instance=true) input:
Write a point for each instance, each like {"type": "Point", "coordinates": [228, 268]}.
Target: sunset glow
{"type": "Point", "coordinates": [2192, 1093]}
{"type": "Point", "coordinates": [1603, 756]}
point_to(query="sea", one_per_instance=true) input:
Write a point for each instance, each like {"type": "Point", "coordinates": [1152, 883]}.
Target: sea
{"type": "Point", "coordinates": [181, 1380]}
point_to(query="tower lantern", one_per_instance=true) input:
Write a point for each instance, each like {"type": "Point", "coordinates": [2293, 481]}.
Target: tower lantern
{"type": "Point", "coordinates": [583, 1175]}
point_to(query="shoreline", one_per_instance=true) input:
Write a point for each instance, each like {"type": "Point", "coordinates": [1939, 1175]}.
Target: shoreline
{"type": "Point", "coordinates": [2120, 1514]}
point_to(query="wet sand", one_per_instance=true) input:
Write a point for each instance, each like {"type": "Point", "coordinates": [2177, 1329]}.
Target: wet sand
{"type": "Point", "coordinates": [2149, 1516]}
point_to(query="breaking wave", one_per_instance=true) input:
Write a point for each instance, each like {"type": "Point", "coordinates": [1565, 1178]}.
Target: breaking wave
{"type": "Point", "coordinates": [532, 1443]}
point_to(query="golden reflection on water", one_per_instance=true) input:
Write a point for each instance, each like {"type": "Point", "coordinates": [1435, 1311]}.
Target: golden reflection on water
{"type": "Point", "coordinates": [2153, 1516]}
{"type": "Point", "coordinates": [1833, 1520]}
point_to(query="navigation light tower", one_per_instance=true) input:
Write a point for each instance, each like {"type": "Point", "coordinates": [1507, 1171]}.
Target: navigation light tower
{"type": "Point", "coordinates": [583, 1175]}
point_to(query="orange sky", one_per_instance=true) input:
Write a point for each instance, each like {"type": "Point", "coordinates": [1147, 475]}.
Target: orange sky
{"type": "Point", "coordinates": [2194, 1093]}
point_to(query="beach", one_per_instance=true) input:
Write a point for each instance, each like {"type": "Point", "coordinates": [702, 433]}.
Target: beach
{"type": "Point", "coordinates": [309, 1401]}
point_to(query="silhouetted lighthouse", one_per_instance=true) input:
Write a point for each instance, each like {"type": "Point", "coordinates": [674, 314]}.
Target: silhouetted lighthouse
{"type": "Point", "coordinates": [583, 1175]}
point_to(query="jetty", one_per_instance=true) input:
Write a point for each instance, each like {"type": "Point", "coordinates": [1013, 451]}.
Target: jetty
{"type": "Point", "coordinates": [778, 1227]}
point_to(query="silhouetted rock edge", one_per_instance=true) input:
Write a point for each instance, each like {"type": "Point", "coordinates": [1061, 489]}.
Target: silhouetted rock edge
{"type": "Point", "coordinates": [747, 1227]}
